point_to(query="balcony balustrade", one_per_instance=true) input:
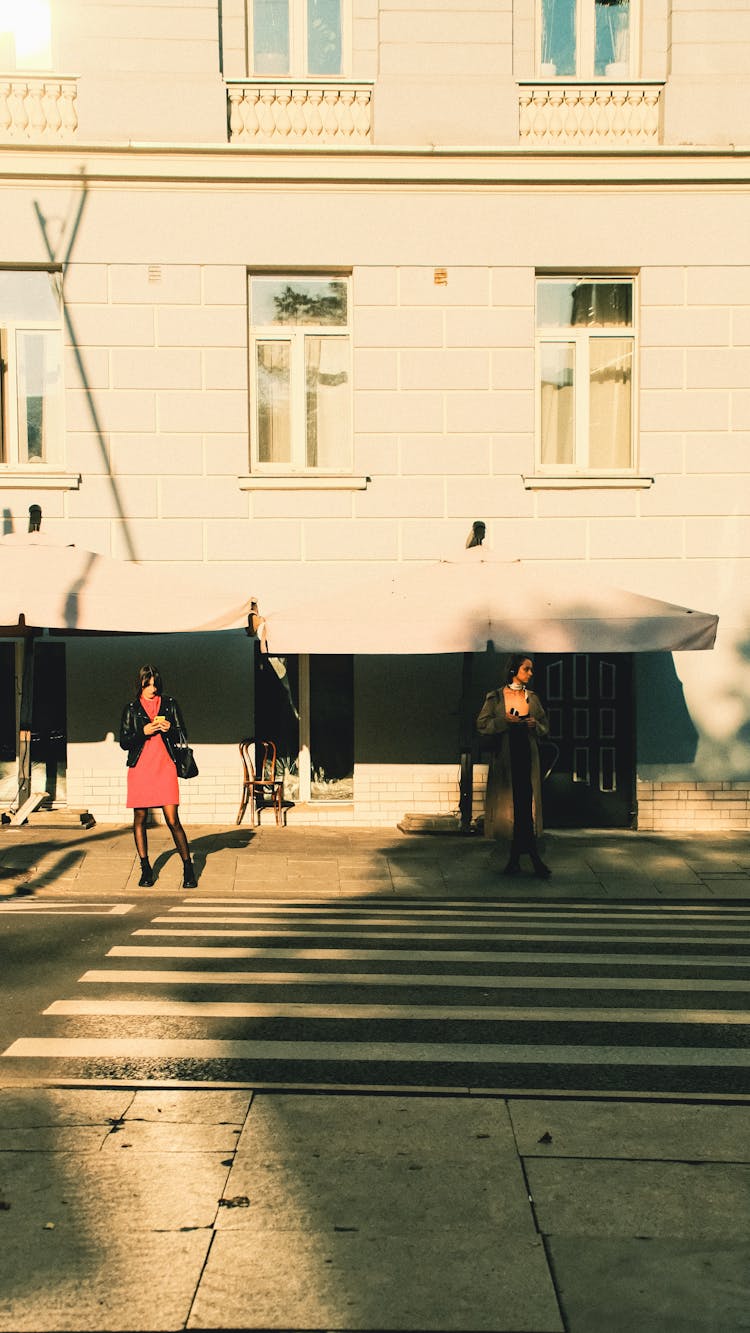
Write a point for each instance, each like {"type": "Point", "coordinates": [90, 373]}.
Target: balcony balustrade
{"type": "Point", "coordinates": [622, 115]}
{"type": "Point", "coordinates": [37, 108]}
{"type": "Point", "coordinates": [298, 112]}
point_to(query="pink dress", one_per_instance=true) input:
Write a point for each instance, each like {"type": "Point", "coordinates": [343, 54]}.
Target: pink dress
{"type": "Point", "coordinates": [153, 780]}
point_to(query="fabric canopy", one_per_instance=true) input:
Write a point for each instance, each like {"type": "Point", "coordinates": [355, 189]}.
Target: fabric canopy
{"type": "Point", "coordinates": [48, 586]}
{"type": "Point", "coordinates": [468, 604]}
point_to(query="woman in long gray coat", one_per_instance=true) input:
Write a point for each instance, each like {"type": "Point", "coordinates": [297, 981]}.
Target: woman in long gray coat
{"type": "Point", "coordinates": [513, 805]}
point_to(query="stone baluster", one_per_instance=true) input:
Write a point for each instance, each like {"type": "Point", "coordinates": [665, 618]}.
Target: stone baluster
{"type": "Point", "coordinates": [362, 113]}
{"type": "Point", "coordinates": [35, 110]}
{"type": "Point", "coordinates": [236, 126]}
{"type": "Point", "coordinates": [651, 112]}
{"type": "Point", "coordinates": [330, 112]}
{"type": "Point", "coordinates": [554, 115]}
{"type": "Point", "coordinates": [587, 124]}
{"type": "Point", "coordinates": [315, 121]}
{"type": "Point", "coordinates": [266, 117]}
{"type": "Point", "coordinates": [619, 117]}
{"type": "Point", "coordinates": [297, 113]}
{"type": "Point", "coordinates": [19, 115]}
{"type": "Point", "coordinates": [524, 115]}
{"type": "Point", "coordinates": [346, 119]}
{"type": "Point", "coordinates": [572, 117]}
{"type": "Point", "coordinates": [51, 108]}
{"type": "Point", "coordinates": [68, 110]}
{"type": "Point", "coordinates": [539, 123]}
{"type": "Point", "coordinates": [281, 112]}
{"type": "Point", "coordinates": [6, 117]}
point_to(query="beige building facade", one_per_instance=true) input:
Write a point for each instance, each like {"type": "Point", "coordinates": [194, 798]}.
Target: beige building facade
{"type": "Point", "coordinates": [295, 292]}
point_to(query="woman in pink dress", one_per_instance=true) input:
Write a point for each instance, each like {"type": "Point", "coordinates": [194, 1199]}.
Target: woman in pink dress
{"type": "Point", "coordinates": [148, 727]}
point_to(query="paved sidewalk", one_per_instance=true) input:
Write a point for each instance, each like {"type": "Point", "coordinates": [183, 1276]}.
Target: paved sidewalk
{"type": "Point", "coordinates": [383, 863]}
{"type": "Point", "coordinates": [138, 1210]}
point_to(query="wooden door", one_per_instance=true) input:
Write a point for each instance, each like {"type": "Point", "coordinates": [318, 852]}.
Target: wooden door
{"type": "Point", "coordinates": [591, 748]}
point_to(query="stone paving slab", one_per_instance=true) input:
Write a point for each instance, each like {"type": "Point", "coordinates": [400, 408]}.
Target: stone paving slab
{"type": "Point", "coordinates": [670, 1132]}
{"type": "Point", "coordinates": [457, 1280]}
{"type": "Point", "coordinates": [670, 1200]}
{"type": "Point", "coordinates": [653, 1286]}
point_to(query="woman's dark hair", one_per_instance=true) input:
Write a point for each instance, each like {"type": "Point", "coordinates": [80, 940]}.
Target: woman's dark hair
{"type": "Point", "coordinates": [144, 676]}
{"type": "Point", "coordinates": [514, 663]}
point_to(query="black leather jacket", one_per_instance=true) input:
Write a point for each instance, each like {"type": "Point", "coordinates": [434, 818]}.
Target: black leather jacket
{"type": "Point", "coordinates": [135, 718]}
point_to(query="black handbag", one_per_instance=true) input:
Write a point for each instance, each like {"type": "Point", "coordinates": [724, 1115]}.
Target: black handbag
{"type": "Point", "coordinates": [183, 757]}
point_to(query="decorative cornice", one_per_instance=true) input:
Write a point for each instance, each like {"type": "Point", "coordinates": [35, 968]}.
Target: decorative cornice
{"type": "Point", "coordinates": [333, 165]}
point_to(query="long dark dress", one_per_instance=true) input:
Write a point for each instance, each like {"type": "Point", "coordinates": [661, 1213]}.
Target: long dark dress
{"type": "Point", "coordinates": [507, 800]}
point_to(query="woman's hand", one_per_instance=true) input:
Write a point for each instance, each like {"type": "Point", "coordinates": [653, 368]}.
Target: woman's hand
{"type": "Point", "coordinates": [151, 728]}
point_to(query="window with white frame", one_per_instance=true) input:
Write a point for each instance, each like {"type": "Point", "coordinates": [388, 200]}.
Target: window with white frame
{"type": "Point", "coordinates": [25, 35]}
{"type": "Point", "coordinates": [296, 38]}
{"type": "Point", "coordinates": [300, 353]}
{"type": "Point", "coordinates": [585, 359]}
{"type": "Point", "coordinates": [31, 369]}
{"type": "Point", "coordinates": [586, 39]}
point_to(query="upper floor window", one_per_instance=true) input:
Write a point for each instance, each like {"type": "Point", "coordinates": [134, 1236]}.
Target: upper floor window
{"type": "Point", "coordinates": [25, 35]}
{"type": "Point", "coordinates": [585, 39]}
{"type": "Point", "coordinates": [31, 377]}
{"type": "Point", "coordinates": [585, 359]}
{"type": "Point", "coordinates": [300, 373]}
{"type": "Point", "coordinates": [296, 37]}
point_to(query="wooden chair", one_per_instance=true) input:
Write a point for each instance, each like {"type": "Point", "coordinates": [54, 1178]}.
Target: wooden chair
{"type": "Point", "coordinates": [260, 780]}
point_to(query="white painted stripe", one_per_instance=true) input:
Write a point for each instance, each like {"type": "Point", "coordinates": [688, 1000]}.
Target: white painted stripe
{"type": "Point", "coordinates": [431, 1012]}
{"type": "Point", "coordinates": [448, 981]}
{"type": "Point", "coordinates": [163, 1048]}
{"type": "Point", "coordinates": [389, 914]}
{"type": "Point", "coordinates": [418, 955]}
{"type": "Point", "coordinates": [64, 909]}
{"type": "Point", "coordinates": [498, 925]}
{"type": "Point", "coordinates": [508, 904]}
{"type": "Point", "coordinates": [488, 932]}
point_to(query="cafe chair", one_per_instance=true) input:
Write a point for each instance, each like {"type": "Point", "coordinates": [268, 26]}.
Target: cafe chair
{"type": "Point", "coordinates": [260, 785]}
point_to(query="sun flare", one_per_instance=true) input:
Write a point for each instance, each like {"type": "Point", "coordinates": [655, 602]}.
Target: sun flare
{"type": "Point", "coordinates": [27, 23]}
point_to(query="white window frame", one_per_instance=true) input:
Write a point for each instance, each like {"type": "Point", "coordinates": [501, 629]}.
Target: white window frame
{"type": "Point", "coordinates": [586, 44]}
{"type": "Point", "coordinates": [581, 337]}
{"type": "Point", "coordinates": [295, 334]}
{"type": "Point", "coordinates": [298, 44]}
{"type": "Point", "coordinates": [12, 457]}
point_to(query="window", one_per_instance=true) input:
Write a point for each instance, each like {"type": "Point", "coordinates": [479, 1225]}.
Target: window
{"type": "Point", "coordinates": [585, 358]}
{"type": "Point", "coordinates": [300, 374]}
{"type": "Point", "coordinates": [585, 39]}
{"type": "Point", "coordinates": [25, 35]}
{"type": "Point", "coordinates": [31, 379]}
{"type": "Point", "coordinates": [296, 37]}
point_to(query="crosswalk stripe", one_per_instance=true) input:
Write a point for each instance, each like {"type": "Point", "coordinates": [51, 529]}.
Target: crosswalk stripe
{"type": "Point", "coordinates": [374, 933]}
{"type": "Point", "coordinates": [137, 977]}
{"type": "Point", "coordinates": [416, 955]}
{"type": "Point", "coordinates": [43, 907]}
{"type": "Point", "coordinates": [165, 1048]}
{"type": "Point", "coordinates": [429, 1012]}
{"type": "Point", "coordinates": [422, 907]}
{"type": "Point", "coordinates": [482, 916]}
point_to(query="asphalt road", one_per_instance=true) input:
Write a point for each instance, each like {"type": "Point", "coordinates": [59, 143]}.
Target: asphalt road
{"type": "Point", "coordinates": [573, 999]}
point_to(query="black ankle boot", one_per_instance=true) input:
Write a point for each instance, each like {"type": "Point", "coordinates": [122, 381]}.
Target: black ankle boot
{"type": "Point", "coordinates": [540, 869]}
{"type": "Point", "coordinates": [513, 867]}
{"type": "Point", "coordinates": [147, 875]}
{"type": "Point", "coordinates": [188, 875]}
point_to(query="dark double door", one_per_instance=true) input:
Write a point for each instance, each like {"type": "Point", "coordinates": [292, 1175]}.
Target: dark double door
{"type": "Point", "coordinates": [590, 753]}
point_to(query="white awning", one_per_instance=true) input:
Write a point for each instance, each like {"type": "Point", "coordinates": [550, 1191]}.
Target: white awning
{"type": "Point", "coordinates": [48, 586]}
{"type": "Point", "coordinates": [466, 604]}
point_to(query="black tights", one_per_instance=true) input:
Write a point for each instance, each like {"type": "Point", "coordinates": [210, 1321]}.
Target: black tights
{"type": "Point", "coordinates": [172, 816]}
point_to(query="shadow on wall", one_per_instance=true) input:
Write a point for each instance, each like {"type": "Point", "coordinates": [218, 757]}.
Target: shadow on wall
{"type": "Point", "coordinates": [211, 675]}
{"type": "Point", "coordinates": [408, 709]}
{"type": "Point", "coordinates": [666, 731]}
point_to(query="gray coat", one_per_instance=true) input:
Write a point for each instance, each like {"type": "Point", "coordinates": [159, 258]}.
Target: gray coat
{"type": "Point", "coordinates": [498, 806]}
